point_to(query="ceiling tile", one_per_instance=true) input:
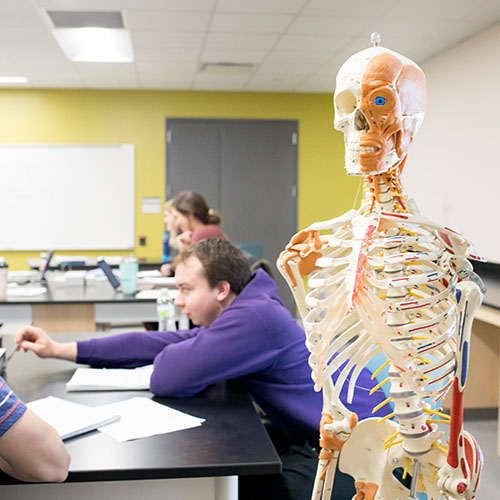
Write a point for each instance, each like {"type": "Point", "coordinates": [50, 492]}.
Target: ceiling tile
{"type": "Point", "coordinates": [98, 70]}
{"type": "Point", "coordinates": [45, 54]}
{"type": "Point", "coordinates": [48, 82]}
{"type": "Point", "coordinates": [286, 70]}
{"type": "Point", "coordinates": [489, 13]}
{"type": "Point", "coordinates": [276, 81]}
{"type": "Point", "coordinates": [166, 68]}
{"type": "Point", "coordinates": [316, 84]}
{"type": "Point", "coordinates": [21, 20]}
{"type": "Point", "coordinates": [236, 41]}
{"type": "Point", "coordinates": [329, 70]}
{"type": "Point", "coordinates": [168, 54]}
{"type": "Point", "coordinates": [298, 57]}
{"type": "Point", "coordinates": [184, 5]}
{"type": "Point", "coordinates": [15, 5]}
{"type": "Point", "coordinates": [166, 20]}
{"type": "Point", "coordinates": [217, 82]}
{"type": "Point", "coordinates": [420, 27]}
{"type": "Point", "coordinates": [250, 23]}
{"type": "Point", "coordinates": [409, 11]}
{"type": "Point", "coordinates": [329, 25]}
{"type": "Point", "coordinates": [310, 42]}
{"type": "Point", "coordinates": [309, 38]}
{"type": "Point", "coordinates": [173, 81]}
{"type": "Point", "coordinates": [352, 8]}
{"type": "Point", "coordinates": [6, 67]}
{"type": "Point", "coordinates": [269, 6]}
{"type": "Point", "coordinates": [166, 39]}
{"type": "Point", "coordinates": [233, 56]}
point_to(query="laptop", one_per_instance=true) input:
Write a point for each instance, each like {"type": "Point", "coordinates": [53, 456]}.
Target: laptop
{"type": "Point", "coordinates": [46, 268]}
{"type": "Point", "coordinates": [108, 272]}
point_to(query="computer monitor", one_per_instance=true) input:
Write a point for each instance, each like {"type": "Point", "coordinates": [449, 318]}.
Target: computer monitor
{"type": "Point", "coordinates": [109, 273]}
{"type": "Point", "coordinates": [46, 268]}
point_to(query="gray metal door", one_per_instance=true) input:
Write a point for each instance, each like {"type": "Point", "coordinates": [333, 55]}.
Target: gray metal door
{"type": "Point", "coordinates": [246, 169]}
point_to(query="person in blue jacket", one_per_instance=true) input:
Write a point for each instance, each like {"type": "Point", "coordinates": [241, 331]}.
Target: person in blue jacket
{"type": "Point", "coordinates": [243, 331]}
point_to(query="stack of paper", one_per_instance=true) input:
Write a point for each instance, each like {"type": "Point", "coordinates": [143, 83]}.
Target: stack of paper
{"type": "Point", "coordinates": [140, 417]}
{"type": "Point", "coordinates": [110, 379]}
{"type": "Point", "coordinates": [71, 419]}
{"type": "Point", "coordinates": [26, 291]}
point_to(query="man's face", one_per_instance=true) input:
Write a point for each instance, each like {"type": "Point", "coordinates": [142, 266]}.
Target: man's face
{"type": "Point", "coordinates": [196, 299]}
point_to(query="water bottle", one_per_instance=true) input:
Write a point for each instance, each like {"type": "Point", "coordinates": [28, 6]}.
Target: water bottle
{"type": "Point", "coordinates": [166, 248]}
{"type": "Point", "coordinates": [165, 309]}
{"type": "Point", "coordinates": [4, 269]}
{"type": "Point", "coordinates": [128, 275]}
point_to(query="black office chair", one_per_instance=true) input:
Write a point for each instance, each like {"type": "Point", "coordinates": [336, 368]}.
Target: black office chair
{"type": "Point", "coordinates": [263, 264]}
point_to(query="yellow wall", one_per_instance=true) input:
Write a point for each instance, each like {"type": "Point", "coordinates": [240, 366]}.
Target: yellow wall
{"type": "Point", "coordinates": [138, 117]}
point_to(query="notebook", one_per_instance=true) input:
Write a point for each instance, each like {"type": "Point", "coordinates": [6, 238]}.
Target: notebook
{"type": "Point", "coordinates": [110, 379]}
{"type": "Point", "coordinates": [71, 419]}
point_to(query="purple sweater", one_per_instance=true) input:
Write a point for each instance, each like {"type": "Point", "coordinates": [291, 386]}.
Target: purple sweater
{"type": "Point", "coordinates": [255, 340]}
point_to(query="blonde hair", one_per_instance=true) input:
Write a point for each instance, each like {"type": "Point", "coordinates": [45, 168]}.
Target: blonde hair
{"type": "Point", "coordinates": [172, 241]}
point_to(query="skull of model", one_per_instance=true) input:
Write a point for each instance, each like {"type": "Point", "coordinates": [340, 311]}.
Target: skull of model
{"type": "Point", "coordinates": [374, 112]}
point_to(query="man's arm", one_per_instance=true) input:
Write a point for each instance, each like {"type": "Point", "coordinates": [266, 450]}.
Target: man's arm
{"type": "Point", "coordinates": [126, 350]}
{"type": "Point", "coordinates": [31, 450]}
{"type": "Point", "coordinates": [234, 345]}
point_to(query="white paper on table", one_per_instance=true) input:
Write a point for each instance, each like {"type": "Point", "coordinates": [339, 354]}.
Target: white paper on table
{"type": "Point", "coordinates": [141, 417]}
{"type": "Point", "coordinates": [110, 379]}
{"type": "Point", "coordinates": [71, 419]}
{"type": "Point", "coordinates": [28, 291]}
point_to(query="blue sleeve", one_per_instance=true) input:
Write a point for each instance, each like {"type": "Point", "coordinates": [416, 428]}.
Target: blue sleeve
{"type": "Point", "coordinates": [11, 407]}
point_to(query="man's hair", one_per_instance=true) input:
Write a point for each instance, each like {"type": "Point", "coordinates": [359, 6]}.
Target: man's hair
{"type": "Point", "coordinates": [221, 261]}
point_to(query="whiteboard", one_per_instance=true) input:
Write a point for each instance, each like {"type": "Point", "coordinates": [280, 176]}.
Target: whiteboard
{"type": "Point", "coordinates": [66, 197]}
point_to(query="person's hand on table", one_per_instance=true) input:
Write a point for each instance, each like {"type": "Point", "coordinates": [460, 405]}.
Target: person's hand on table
{"type": "Point", "coordinates": [32, 338]}
{"type": "Point", "coordinates": [166, 270]}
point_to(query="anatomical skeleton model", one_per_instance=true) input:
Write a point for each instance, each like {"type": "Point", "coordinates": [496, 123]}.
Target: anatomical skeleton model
{"type": "Point", "coordinates": [384, 279]}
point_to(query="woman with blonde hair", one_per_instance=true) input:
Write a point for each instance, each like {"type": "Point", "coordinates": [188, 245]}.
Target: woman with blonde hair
{"type": "Point", "coordinates": [172, 230]}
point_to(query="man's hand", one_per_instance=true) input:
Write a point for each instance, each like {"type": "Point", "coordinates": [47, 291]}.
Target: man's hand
{"type": "Point", "coordinates": [32, 338]}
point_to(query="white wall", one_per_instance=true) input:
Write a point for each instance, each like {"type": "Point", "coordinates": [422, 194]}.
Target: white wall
{"type": "Point", "coordinates": [453, 168]}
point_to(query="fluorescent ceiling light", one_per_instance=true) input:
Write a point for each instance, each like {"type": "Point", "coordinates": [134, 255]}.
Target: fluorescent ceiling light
{"type": "Point", "coordinates": [95, 44]}
{"type": "Point", "coordinates": [13, 79]}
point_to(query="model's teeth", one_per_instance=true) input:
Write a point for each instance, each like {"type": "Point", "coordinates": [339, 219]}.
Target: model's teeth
{"type": "Point", "coordinates": [356, 148]}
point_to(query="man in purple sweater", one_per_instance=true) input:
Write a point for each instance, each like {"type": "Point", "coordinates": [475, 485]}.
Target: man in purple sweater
{"type": "Point", "coordinates": [243, 331]}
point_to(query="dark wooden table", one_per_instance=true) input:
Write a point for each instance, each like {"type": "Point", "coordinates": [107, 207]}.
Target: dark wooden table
{"type": "Point", "coordinates": [232, 441]}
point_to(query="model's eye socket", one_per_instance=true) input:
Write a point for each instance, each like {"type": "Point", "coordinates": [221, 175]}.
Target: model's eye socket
{"type": "Point", "coordinates": [380, 101]}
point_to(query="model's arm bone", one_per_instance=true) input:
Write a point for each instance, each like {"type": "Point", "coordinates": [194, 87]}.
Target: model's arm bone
{"type": "Point", "coordinates": [452, 477]}
{"type": "Point", "coordinates": [31, 450]}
